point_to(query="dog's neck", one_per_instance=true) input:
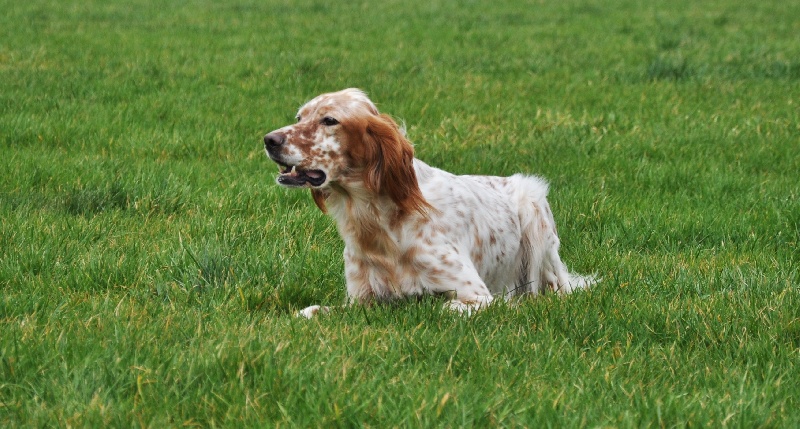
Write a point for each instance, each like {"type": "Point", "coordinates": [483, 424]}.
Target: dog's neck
{"type": "Point", "coordinates": [367, 222]}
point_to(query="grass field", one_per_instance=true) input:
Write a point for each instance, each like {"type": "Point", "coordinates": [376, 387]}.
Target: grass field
{"type": "Point", "coordinates": [150, 266]}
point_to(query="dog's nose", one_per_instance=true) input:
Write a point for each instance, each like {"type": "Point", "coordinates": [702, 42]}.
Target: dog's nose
{"type": "Point", "coordinates": [274, 140]}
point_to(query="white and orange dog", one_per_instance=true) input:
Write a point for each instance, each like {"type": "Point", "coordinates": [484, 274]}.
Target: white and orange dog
{"type": "Point", "coordinates": [412, 229]}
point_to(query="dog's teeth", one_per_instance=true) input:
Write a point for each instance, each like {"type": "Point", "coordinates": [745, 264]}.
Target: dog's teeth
{"type": "Point", "coordinates": [294, 170]}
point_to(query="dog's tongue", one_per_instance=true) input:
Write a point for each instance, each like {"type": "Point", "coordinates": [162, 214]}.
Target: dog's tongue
{"type": "Point", "coordinates": [314, 174]}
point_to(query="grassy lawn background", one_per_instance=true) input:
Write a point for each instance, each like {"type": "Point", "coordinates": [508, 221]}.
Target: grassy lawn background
{"type": "Point", "coordinates": [150, 266]}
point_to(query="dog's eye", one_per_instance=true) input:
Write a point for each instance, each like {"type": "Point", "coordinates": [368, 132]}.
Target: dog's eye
{"type": "Point", "coordinates": [297, 118]}
{"type": "Point", "coordinates": [328, 121]}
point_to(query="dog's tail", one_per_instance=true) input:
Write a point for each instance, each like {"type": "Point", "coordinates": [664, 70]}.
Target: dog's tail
{"type": "Point", "coordinates": [540, 267]}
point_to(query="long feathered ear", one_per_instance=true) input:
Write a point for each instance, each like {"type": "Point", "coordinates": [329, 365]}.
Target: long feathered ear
{"type": "Point", "coordinates": [389, 167]}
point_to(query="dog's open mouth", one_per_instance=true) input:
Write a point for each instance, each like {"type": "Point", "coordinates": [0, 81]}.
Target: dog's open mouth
{"type": "Point", "coordinates": [294, 176]}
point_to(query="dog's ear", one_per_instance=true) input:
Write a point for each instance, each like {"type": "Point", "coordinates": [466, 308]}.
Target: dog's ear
{"type": "Point", "coordinates": [319, 197]}
{"type": "Point", "coordinates": [389, 168]}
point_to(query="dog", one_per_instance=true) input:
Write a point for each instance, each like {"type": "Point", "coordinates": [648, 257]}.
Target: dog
{"type": "Point", "coordinates": [411, 229]}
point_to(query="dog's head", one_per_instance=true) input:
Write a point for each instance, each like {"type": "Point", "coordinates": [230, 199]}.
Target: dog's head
{"type": "Point", "coordinates": [341, 142]}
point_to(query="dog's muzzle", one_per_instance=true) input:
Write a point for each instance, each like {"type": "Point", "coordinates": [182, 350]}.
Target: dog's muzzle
{"type": "Point", "coordinates": [290, 175]}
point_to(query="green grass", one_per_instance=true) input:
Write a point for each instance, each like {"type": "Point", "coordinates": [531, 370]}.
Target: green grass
{"type": "Point", "coordinates": [150, 266]}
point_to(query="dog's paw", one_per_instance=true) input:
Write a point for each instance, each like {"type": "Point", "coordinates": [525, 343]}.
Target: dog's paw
{"type": "Point", "coordinates": [577, 282]}
{"type": "Point", "coordinates": [312, 311]}
{"type": "Point", "coordinates": [467, 307]}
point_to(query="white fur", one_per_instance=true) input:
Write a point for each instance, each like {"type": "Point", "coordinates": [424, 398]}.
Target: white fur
{"type": "Point", "coordinates": [488, 236]}
{"type": "Point", "coordinates": [482, 236]}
